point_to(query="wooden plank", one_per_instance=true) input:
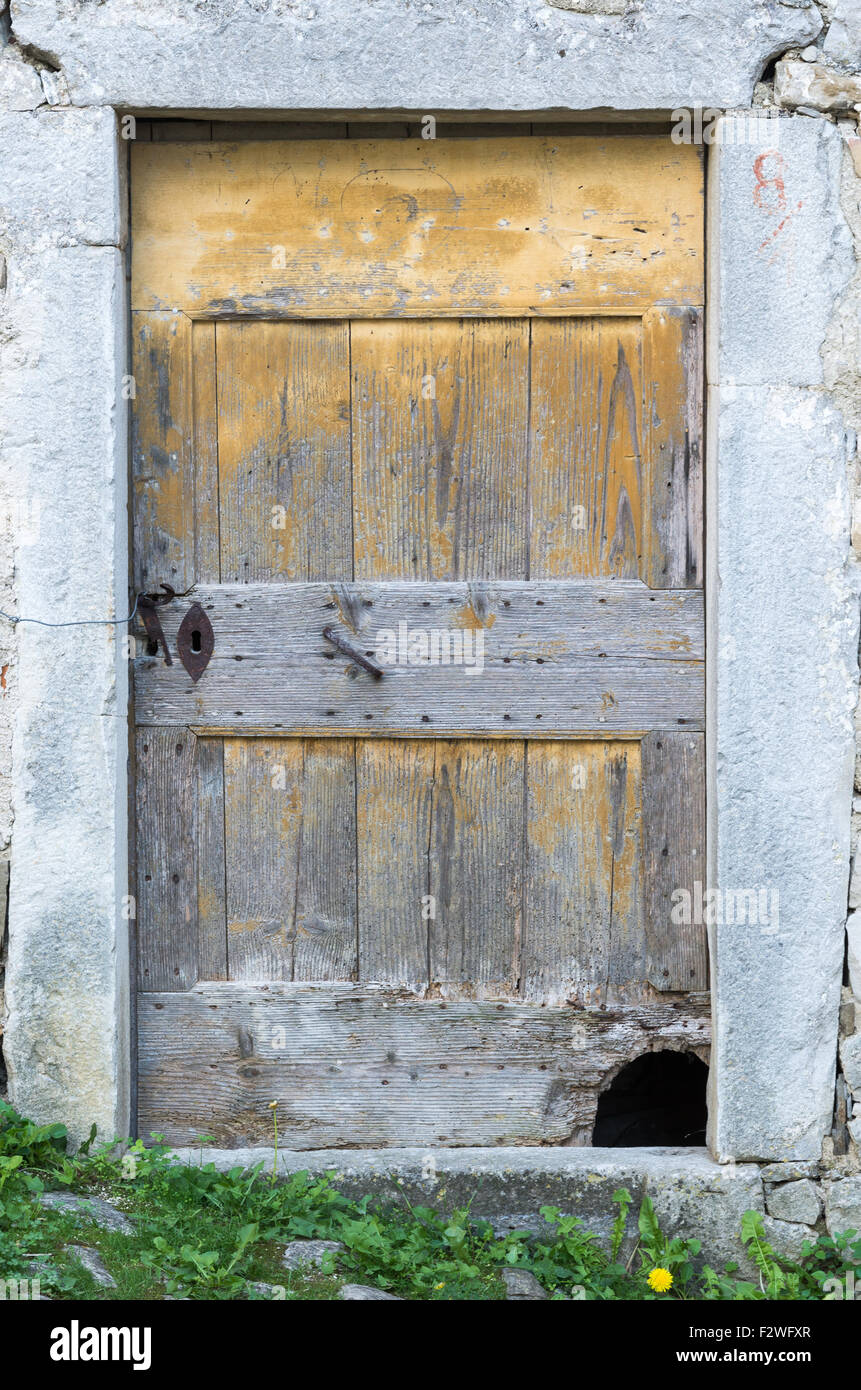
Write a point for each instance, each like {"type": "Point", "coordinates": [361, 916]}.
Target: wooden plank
{"type": "Point", "coordinates": [284, 451]}
{"type": "Point", "coordinates": [583, 938]}
{"type": "Point", "coordinates": [476, 867]}
{"type": "Point", "coordinates": [206, 523]}
{"type": "Point", "coordinates": [674, 840]}
{"type": "Point", "coordinates": [279, 130]}
{"type": "Point", "coordinates": [262, 827]}
{"type": "Point", "coordinates": [290, 859]}
{"type": "Point", "coordinates": [166, 859]}
{"type": "Point", "coordinates": [585, 464]}
{"type": "Point", "coordinates": [211, 886]}
{"type": "Point", "coordinates": [163, 478]}
{"type": "Point", "coordinates": [673, 373]}
{"type": "Point", "coordinates": [394, 789]}
{"type": "Point", "coordinates": [425, 228]}
{"type": "Point", "coordinates": [354, 1066]}
{"type": "Point", "coordinates": [445, 405]}
{"type": "Point", "coordinates": [563, 659]}
{"type": "Point", "coordinates": [326, 945]}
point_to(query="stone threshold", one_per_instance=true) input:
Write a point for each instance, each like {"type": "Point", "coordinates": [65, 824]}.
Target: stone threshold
{"type": "Point", "coordinates": [693, 1195]}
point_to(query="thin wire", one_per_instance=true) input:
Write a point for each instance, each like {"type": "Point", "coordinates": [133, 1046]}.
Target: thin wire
{"type": "Point", "coordinates": [75, 622]}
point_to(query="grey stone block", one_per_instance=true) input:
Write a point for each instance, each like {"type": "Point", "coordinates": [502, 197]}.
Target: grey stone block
{"type": "Point", "coordinates": [788, 1172]}
{"type": "Point", "coordinates": [93, 1264]}
{"type": "Point", "coordinates": [365, 1293]}
{"type": "Point", "coordinates": [785, 645]}
{"type": "Point", "coordinates": [843, 1206]}
{"type": "Point", "coordinates": [20, 88]}
{"type": "Point", "coordinates": [853, 951]}
{"type": "Point", "coordinates": [795, 1201]}
{"type": "Point", "coordinates": [94, 1209]}
{"type": "Point", "coordinates": [490, 55]}
{"type": "Point", "coordinates": [304, 1255]}
{"type": "Point", "coordinates": [850, 1061]}
{"type": "Point", "coordinates": [522, 1287]}
{"type": "Point", "coordinates": [61, 183]}
{"type": "Point", "coordinates": [843, 38]}
{"type": "Point", "coordinates": [692, 1196]}
{"type": "Point", "coordinates": [816, 85]}
{"type": "Point", "coordinates": [788, 1238]}
{"type": "Point", "coordinates": [784, 251]}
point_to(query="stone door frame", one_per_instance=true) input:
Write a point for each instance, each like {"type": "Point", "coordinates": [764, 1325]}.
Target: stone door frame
{"type": "Point", "coordinates": [782, 626]}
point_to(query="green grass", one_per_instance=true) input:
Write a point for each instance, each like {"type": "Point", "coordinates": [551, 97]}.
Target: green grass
{"type": "Point", "coordinates": [201, 1234]}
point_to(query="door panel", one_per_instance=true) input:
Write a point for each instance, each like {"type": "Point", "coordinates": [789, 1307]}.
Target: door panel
{"type": "Point", "coordinates": [434, 907]}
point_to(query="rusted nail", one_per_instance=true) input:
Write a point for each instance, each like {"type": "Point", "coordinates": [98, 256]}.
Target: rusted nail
{"type": "Point", "coordinates": [351, 652]}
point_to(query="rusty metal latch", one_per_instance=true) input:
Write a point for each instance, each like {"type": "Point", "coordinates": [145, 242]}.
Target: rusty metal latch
{"type": "Point", "coordinates": [195, 640]}
{"type": "Point", "coordinates": [148, 606]}
{"type": "Point", "coordinates": [351, 652]}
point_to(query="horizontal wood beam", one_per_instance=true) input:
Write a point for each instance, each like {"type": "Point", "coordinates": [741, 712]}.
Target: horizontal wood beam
{"type": "Point", "coordinates": [417, 228]}
{"type": "Point", "coordinates": [385, 1067]}
{"type": "Point", "coordinates": [548, 659]}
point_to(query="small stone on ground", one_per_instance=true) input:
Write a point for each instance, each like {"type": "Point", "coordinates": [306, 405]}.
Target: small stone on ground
{"type": "Point", "coordinates": [364, 1293]}
{"type": "Point", "coordinates": [522, 1286]}
{"type": "Point", "coordinates": [93, 1264]}
{"type": "Point", "coordinates": [94, 1209]}
{"type": "Point", "coordinates": [308, 1254]}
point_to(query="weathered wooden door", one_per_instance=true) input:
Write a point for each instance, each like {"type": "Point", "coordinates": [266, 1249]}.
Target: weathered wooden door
{"type": "Point", "coordinates": [443, 399]}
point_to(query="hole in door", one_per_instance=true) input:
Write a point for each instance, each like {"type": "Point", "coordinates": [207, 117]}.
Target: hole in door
{"type": "Point", "coordinates": [658, 1099]}
{"type": "Point", "coordinates": [195, 640]}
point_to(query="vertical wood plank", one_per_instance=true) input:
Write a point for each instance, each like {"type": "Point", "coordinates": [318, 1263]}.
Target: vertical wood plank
{"type": "Point", "coordinates": [585, 465]}
{"type": "Point", "coordinates": [290, 859]}
{"type": "Point", "coordinates": [162, 455]}
{"type": "Point", "coordinates": [439, 449]}
{"type": "Point", "coordinates": [262, 817]}
{"type": "Point", "coordinates": [673, 375]}
{"type": "Point", "coordinates": [583, 935]}
{"type": "Point", "coordinates": [326, 938]}
{"type": "Point", "coordinates": [394, 793]}
{"type": "Point", "coordinates": [207, 566]}
{"type": "Point", "coordinates": [674, 857]}
{"type": "Point", "coordinates": [211, 901]}
{"type": "Point", "coordinates": [476, 865]}
{"type": "Point", "coordinates": [166, 859]}
{"type": "Point", "coordinates": [284, 451]}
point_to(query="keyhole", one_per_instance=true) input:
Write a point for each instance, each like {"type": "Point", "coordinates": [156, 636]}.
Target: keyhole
{"type": "Point", "coordinates": [195, 640]}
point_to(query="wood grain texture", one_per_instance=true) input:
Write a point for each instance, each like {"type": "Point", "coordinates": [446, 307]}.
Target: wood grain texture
{"type": "Point", "coordinates": [206, 520]}
{"type": "Point", "coordinates": [560, 660]}
{"type": "Point", "coordinates": [440, 443]}
{"type": "Point", "coordinates": [475, 870]}
{"type": "Point", "coordinates": [211, 876]}
{"type": "Point", "coordinates": [284, 451]}
{"type": "Point", "coordinates": [354, 1066]}
{"type": "Point", "coordinates": [163, 476]}
{"type": "Point", "coordinates": [290, 859]}
{"type": "Point", "coordinates": [673, 525]}
{"type": "Point", "coordinates": [394, 791]}
{"type": "Point", "coordinates": [584, 938]}
{"type": "Point", "coordinates": [674, 842]}
{"type": "Point", "coordinates": [426, 228]}
{"type": "Point", "coordinates": [166, 859]}
{"type": "Point", "coordinates": [585, 459]}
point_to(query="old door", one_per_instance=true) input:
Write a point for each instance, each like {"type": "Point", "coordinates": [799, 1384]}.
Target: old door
{"type": "Point", "coordinates": [441, 398]}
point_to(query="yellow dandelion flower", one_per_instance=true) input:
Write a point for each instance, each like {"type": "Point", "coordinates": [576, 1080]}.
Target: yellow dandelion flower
{"type": "Point", "coordinates": [439, 1286]}
{"type": "Point", "coordinates": [660, 1280]}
